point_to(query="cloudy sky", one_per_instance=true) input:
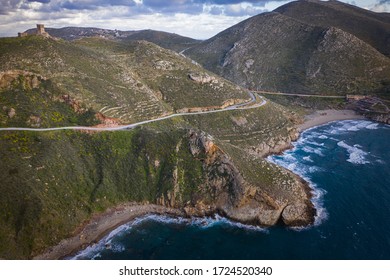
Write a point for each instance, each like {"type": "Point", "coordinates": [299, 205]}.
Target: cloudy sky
{"type": "Point", "coordinates": [194, 18]}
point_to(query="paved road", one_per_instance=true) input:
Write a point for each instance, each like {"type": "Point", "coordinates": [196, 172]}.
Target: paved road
{"type": "Point", "coordinates": [298, 94]}
{"type": "Point", "coordinates": [243, 106]}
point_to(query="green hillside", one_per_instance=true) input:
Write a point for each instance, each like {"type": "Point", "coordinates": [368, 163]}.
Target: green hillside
{"type": "Point", "coordinates": [132, 82]}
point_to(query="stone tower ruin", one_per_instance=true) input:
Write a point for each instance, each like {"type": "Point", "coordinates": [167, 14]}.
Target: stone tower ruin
{"type": "Point", "coordinates": [40, 32]}
{"type": "Point", "coordinates": [40, 29]}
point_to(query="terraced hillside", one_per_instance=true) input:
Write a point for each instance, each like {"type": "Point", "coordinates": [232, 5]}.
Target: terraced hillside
{"type": "Point", "coordinates": [131, 82]}
{"type": "Point", "coordinates": [289, 50]}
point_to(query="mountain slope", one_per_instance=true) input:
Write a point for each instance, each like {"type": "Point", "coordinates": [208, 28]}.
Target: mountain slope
{"type": "Point", "coordinates": [275, 52]}
{"type": "Point", "coordinates": [163, 39]}
{"type": "Point", "coordinates": [370, 27]}
{"type": "Point", "coordinates": [130, 81]}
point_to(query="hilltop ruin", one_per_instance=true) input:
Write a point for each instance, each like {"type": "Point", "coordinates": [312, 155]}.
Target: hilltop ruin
{"type": "Point", "coordinates": [40, 31]}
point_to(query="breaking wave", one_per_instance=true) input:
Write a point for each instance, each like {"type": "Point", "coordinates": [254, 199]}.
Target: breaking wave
{"type": "Point", "coordinates": [109, 243]}
{"type": "Point", "coordinates": [356, 155]}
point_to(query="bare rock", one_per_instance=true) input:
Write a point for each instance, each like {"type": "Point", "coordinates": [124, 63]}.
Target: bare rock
{"type": "Point", "coordinates": [299, 214]}
{"type": "Point", "coordinates": [164, 65]}
{"type": "Point", "coordinates": [28, 79]}
{"type": "Point", "coordinates": [34, 121]}
{"type": "Point", "coordinates": [257, 215]}
{"type": "Point", "coordinates": [202, 78]}
{"type": "Point", "coordinates": [11, 113]}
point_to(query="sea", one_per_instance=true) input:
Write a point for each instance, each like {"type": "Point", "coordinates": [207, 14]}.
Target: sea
{"type": "Point", "coordinates": [347, 164]}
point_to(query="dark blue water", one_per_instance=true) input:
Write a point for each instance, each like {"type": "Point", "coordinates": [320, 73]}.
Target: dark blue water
{"type": "Point", "coordinates": [348, 165]}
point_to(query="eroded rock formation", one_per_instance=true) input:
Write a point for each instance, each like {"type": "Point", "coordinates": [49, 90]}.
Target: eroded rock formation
{"type": "Point", "coordinates": [225, 191]}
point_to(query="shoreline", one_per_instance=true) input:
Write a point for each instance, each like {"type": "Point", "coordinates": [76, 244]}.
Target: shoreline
{"type": "Point", "coordinates": [102, 224]}
{"type": "Point", "coordinates": [99, 225]}
{"type": "Point", "coordinates": [325, 116]}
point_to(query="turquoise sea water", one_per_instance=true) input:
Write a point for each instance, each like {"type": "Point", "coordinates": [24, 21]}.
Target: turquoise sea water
{"type": "Point", "coordinates": [348, 165]}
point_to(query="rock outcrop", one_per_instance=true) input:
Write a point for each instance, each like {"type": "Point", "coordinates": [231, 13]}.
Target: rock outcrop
{"type": "Point", "coordinates": [227, 192]}
{"type": "Point", "coordinates": [26, 79]}
{"type": "Point", "coordinates": [371, 107]}
{"type": "Point", "coordinates": [276, 145]}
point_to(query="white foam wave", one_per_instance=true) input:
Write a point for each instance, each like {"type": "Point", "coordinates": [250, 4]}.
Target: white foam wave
{"type": "Point", "coordinates": [356, 155]}
{"type": "Point", "coordinates": [373, 126]}
{"type": "Point", "coordinates": [289, 157]}
{"type": "Point", "coordinates": [204, 222]}
{"type": "Point", "coordinates": [107, 243]}
{"type": "Point", "coordinates": [315, 143]}
{"type": "Point", "coordinates": [307, 159]}
{"type": "Point", "coordinates": [209, 222]}
{"type": "Point", "coordinates": [304, 172]}
{"type": "Point", "coordinates": [306, 142]}
{"type": "Point", "coordinates": [351, 125]}
{"type": "Point", "coordinates": [311, 150]}
{"type": "Point", "coordinates": [318, 201]}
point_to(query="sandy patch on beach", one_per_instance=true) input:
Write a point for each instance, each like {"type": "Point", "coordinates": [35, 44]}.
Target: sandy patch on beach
{"type": "Point", "coordinates": [100, 225]}
{"type": "Point", "coordinates": [325, 116]}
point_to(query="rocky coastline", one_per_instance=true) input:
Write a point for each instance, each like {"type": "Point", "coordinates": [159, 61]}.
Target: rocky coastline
{"type": "Point", "coordinates": [230, 196]}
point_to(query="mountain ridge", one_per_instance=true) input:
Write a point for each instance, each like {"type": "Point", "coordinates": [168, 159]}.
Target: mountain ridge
{"type": "Point", "coordinates": [166, 40]}
{"type": "Point", "coordinates": [371, 27]}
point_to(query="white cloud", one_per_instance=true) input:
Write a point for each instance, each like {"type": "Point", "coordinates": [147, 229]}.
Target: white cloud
{"type": "Point", "coordinates": [381, 8]}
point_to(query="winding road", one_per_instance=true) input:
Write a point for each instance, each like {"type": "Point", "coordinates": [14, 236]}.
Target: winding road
{"type": "Point", "coordinates": [242, 106]}
{"type": "Point", "coordinates": [298, 94]}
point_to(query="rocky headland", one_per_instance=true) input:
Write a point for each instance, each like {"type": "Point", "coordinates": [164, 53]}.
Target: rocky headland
{"type": "Point", "coordinates": [224, 192]}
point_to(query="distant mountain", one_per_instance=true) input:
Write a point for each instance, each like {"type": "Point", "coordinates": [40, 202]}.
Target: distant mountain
{"type": "Point", "coordinates": [290, 50]}
{"type": "Point", "coordinates": [163, 39]}
{"type": "Point", "coordinates": [74, 33]}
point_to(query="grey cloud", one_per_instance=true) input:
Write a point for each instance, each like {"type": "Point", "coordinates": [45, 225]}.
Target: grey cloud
{"type": "Point", "coordinates": [193, 7]}
{"type": "Point", "coordinates": [7, 6]}
{"type": "Point", "coordinates": [381, 6]}
{"type": "Point", "coordinates": [40, 1]}
{"type": "Point", "coordinates": [216, 10]}
{"type": "Point", "coordinates": [95, 4]}
{"type": "Point", "coordinates": [218, 7]}
{"type": "Point", "coordinates": [174, 6]}
{"type": "Point", "coordinates": [230, 2]}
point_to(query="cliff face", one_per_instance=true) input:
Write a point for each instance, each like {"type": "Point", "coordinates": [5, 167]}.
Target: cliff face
{"type": "Point", "coordinates": [227, 192]}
